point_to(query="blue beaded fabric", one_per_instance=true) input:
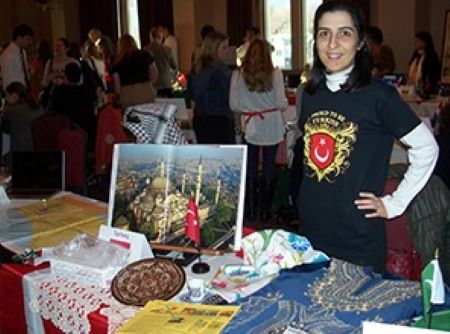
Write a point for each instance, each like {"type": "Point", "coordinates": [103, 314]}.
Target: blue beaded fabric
{"type": "Point", "coordinates": [327, 299]}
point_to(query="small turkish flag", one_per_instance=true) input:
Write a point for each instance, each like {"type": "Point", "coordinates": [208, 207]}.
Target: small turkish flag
{"type": "Point", "coordinates": [192, 222]}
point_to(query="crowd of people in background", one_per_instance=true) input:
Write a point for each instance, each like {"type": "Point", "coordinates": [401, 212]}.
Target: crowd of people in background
{"type": "Point", "coordinates": [76, 81]}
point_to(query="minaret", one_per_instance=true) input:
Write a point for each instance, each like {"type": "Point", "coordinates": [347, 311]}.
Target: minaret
{"type": "Point", "coordinates": [218, 189]}
{"type": "Point", "coordinates": [199, 181]}
{"type": "Point", "coordinates": [161, 169]}
{"type": "Point", "coordinates": [183, 182]}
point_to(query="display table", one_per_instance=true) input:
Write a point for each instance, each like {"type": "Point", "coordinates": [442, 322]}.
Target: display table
{"type": "Point", "coordinates": [13, 299]}
{"type": "Point", "coordinates": [338, 296]}
{"type": "Point", "coordinates": [426, 108]}
{"type": "Point", "coordinates": [31, 297]}
{"type": "Point", "coordinates": [335, 297]}
{"type": "Point", "coordinates": [44, 223]}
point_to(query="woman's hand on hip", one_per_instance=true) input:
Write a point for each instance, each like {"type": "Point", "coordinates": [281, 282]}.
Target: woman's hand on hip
{"type": "Point", "coordinates": [368, 201]}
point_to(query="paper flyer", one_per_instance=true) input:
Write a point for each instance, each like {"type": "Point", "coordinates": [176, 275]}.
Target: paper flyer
{"type": "Point", "coordinates": [168, 317]}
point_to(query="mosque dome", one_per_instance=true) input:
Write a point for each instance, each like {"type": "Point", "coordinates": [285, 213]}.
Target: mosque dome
{"type": "Point", "coordinates": [159, 185]}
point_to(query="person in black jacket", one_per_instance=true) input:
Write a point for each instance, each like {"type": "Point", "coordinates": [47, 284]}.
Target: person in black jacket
{"type": "Point", "coordinates": [76, 101]}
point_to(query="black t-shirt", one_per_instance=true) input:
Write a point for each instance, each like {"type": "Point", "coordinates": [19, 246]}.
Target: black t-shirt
{"type": "Point", "coordinates": [134, 69]}
{"type": "Point", "coordinates": [348, 138]}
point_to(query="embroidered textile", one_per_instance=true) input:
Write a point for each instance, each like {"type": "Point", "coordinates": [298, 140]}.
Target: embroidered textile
{"type": "Point", "coordinates": [321, 299]}
{"type": "Point", "coordinates": [269, 251]}
{"type": "Point", "coordinates": [68, 303]}
{"type": "Point", "coordinates": [355, 291]}
{"type": "Point", "coordinates": [266, 252]}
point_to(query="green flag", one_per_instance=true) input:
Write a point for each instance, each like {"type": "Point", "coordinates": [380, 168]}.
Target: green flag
{"type": "Point", "coordinates": [432, 286]}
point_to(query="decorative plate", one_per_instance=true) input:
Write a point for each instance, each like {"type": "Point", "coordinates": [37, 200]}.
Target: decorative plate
{"type": "Point", "coordinates": [146, 280]}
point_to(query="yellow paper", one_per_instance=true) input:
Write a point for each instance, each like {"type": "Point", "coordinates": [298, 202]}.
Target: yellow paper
{"type": "Point", "coordinates": [58, 220]}
{"type": "Point", "coordinates": [180, 318]}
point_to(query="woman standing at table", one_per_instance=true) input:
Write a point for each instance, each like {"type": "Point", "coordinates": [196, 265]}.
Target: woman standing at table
{"type": "Point", "coordinates": [424, 66]}
{"type": "Point", "coordinates": [210, 88]}
{"type": "Point", "coordinates": [257, 91]}
{"type": "Point", "coordinates": [349, 125]}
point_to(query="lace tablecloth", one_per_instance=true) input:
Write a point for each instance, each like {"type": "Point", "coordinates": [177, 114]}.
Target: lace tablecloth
{"type": "Point", "coordinates": [67, 303]}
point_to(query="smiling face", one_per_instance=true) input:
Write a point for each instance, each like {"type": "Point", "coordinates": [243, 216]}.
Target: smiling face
{"type": "Point", "coordinates": [337, 41]}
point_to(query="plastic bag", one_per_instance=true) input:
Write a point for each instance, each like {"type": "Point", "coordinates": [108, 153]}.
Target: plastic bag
{"type": "Point", "coordinates": [92, 252]}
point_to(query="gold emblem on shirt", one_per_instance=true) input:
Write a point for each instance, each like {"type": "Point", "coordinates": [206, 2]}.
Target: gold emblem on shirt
{"type": "Point", "coordinates": [329, 140]}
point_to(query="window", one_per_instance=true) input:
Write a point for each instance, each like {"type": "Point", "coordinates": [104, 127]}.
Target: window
{"type": "Point", "coordinates": [277, 18]}
{"type": "Point", "coordinates": [309, 9]}
{"type": "Point", "coordinates": [283, 25]}
{"type": "Point", "coordinates": [128, 18]}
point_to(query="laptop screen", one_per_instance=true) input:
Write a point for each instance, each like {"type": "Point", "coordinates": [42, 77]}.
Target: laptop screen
{"type": "Point", "coordinates": [37, 170]}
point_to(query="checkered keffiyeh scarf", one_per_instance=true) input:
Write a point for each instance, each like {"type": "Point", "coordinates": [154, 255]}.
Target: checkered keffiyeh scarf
{"type": "Point", "coordinates": [154, 123]}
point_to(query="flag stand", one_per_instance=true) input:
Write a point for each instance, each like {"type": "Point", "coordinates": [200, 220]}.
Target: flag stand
{"type": "Point", "coordinates": [200, 267]}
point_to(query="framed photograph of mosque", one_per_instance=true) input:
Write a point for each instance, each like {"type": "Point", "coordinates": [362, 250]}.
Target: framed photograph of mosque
{"type": "Point", "coordinates": [151, 186]}
{"type": "Point", "coordinates": [445, 78]}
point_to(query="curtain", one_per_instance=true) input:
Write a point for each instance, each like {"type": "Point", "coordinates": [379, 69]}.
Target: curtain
{"type": "Point", "coordinates": [100, 14]}
{"type": "Point", "coordinates": [239, 18]}
{"type": "Point", "coordinates": [154, 13]}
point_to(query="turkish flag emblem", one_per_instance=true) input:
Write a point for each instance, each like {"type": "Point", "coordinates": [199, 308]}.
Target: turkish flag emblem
{"type": "Point", "coordinates": [321, 151]}
{"type": "Point", "coordinates": [192, 222]}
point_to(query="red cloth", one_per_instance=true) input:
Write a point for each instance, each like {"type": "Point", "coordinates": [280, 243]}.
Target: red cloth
{"type": "Point", "coordinates": [12, 314]}
{"type": "Point", "coordinates": [249, 114]}
{"type": "Point", "coordinates": [72, 139]}
{"type": "Point", "coordinates": [245, 231]}
{"type": "Point", "coordinates": [281, 157]}
{"type": "Point", "coordinates": [401, 256]}
{"type": "Point", "coordinates": [292, 99]}
{"type": "Point", "coordinates": [109, 132]}
{"type": "Point", "coordinates": [45, 130]}
{"type": "Point", "coordinates": [192, 222]}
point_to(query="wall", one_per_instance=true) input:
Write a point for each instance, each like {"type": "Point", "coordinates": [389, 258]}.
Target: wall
{"type": "Point", "coordinates": [59, 20]}
{"type": "Point", "coordinates": [189, 16]}
{"type": "Point", "coordinates": [185, 30]}
{"type": "Point", "coordinates": [210, 12]}
{"type": "Point", "coordinates": [437, 12]}
{"type": "Point", "coordinates": [12, 13]}
{"type": "Point", "coordinates": [399, 23]}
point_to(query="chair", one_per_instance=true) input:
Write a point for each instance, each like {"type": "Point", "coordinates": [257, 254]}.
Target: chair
{"type": "Point", "coordinates": [45, 129]}
{"type": "Point", "coordinates": [428, 219]}
{"type": "Point", "coordinates": [109, 132]}
{"type": "Point", "coordinates": [72, 139]}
